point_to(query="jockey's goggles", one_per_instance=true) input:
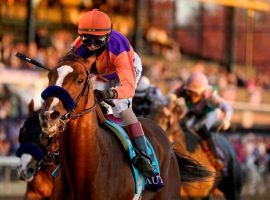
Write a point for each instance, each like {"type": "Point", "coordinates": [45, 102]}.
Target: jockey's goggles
{"type": "Point", "coordinates": [96, 41]}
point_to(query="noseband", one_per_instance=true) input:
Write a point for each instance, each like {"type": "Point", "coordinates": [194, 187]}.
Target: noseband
{"type": "Point", "coordinates": [69, 104]}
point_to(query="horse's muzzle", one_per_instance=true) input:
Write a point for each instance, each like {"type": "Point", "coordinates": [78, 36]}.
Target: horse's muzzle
{"type": "Point", "coordinates": [49, 122]}
{"type": "Point", "coordinates": [26, 174]}
{"type": "Point", "coordinates": [52, 115]}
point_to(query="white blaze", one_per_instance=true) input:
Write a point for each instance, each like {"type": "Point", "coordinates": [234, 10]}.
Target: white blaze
{"type": "Point", "coordinates": [63, 71]}
{"type": "Point", "coordinates": [25, 160]}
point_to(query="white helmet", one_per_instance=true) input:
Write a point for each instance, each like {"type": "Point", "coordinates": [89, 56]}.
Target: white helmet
{"type": "Point", "coordinates": [142, 87]}
{"type": "Point", "coordinates": [143, 84]}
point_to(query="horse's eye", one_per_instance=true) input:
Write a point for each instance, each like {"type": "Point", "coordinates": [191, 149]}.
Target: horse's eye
{"type": "Point", "coordinates": [80, 81]}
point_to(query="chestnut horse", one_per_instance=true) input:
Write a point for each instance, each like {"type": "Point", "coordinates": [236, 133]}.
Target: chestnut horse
{"type": "Point", "coordinates": [37, 173]}
{"type": "Point", "coordinates": [93, 165]}
{"type": "Point", "coordinates": [168, 117]}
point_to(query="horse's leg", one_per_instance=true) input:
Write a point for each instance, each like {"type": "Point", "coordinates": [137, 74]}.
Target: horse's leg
{"type": "Point", "coordinates": [227, 189]}
{"type": "Point", "coordinates": [230, 186]}
{"type": "Point", "coordinates": [59, 191]}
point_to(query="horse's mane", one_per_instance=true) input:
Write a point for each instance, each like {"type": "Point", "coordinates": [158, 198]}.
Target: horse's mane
{"type": "Point", "coordinates": [71, 56]}
{"type": "Point", "coordinates": [31, 129]}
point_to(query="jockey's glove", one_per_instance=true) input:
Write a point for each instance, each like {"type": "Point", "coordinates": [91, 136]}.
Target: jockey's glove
{"type": "Point", "coordinates": [102, 95]}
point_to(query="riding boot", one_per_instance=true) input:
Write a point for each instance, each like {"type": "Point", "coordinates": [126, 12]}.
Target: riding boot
{"type": "Point", "coordinates": [142, 161]}
{"type": "Point", "coordinates": [206, 135]}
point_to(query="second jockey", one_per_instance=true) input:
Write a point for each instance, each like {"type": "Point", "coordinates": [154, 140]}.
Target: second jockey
{"type": "Point", "coordinates": [205, 109]}
{"type": "Point", "coordinates": [147, 98]}
{"type": "Point", "coordinates": [121, 67]}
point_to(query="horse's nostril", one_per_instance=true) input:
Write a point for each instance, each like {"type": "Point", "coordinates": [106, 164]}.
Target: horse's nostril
{"type": "Point", "coordinates": [42, 116]}
{"type": "Point", "coordinates": [55, 114]}
{"type": "Point", "coordinates": [52, 115]}
{"type": "Point", "coordinates": [30, 170]}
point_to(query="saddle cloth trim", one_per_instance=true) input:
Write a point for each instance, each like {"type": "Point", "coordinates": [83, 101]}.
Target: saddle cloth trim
{"type": "Point", "coordinates": [123, 137]}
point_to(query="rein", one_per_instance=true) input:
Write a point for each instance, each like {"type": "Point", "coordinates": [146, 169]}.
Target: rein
{"type": "Point", "coordinates": [69, 116]}
{"type": "Point", "coordinates": [50, 154]}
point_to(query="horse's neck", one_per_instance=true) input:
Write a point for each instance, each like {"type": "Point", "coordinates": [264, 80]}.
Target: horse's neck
{"type": "Point", "coordinates": [83, 130]}
{"type": "Point", "coordinates": [79, 150]}
{"type": "Point", "coordinates": [86, 101]}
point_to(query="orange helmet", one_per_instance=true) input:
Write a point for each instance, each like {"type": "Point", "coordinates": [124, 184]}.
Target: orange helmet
{"type": "Point", "coordinates": [197, 82]}
{"type": "Point", "coordinates": [94, 22]}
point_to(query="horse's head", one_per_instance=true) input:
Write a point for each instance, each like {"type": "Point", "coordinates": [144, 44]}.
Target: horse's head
{"type": "Point", "coordinates": [69, 81]}
{"type": "Point", "coordinates": [31, 150]}
{"type": "Point", "coordinates": [168, 116]}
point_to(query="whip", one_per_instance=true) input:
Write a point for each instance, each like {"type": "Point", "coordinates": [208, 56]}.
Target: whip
{"type": "Point", "coordinates": [30, 60]}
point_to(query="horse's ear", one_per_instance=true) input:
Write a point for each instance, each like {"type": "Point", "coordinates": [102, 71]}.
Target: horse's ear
{"type": "Point", "coordinates": [89, 62]}
{"type": "Point", "coordinates": [31, 107]}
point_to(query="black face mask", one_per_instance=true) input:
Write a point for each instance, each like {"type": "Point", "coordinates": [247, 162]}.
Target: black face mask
{"type": "Point", "coordinates": [95, 52]}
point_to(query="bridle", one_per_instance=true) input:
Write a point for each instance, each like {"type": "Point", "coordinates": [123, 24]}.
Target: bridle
{"type": "Point", "coordinates": [85, 90]}
{"type": "Point", "coordinates": [70, 114]}
{"type": "Point", "coordinates": [49, 158]}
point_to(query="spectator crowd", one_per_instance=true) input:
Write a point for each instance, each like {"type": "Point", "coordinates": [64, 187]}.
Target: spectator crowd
{"type": "Point", "coordinates": [253, 151]}
{"type": "Point", "coordinates": [45, 49]}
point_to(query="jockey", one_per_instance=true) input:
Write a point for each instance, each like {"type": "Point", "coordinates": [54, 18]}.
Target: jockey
{"type": "Point", "coordinates": [120, 67]}
{"type": "Point", "coordinates": [147, 97]}
{"type": "Point", "coordinates": [205, 109]}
